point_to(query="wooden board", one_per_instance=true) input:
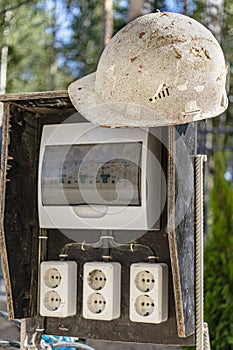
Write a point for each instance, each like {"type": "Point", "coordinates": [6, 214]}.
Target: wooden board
{"type": "Point", "coordinates": [24, 117]}
{"type": "Point", "coordinates": [181, 222]}
{"type": "Point", "coordinates": [18, 208]}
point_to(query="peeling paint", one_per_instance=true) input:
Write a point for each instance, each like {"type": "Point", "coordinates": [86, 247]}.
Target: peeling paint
{"type": "Point", "coordinates": [199, 88]}
{"type": "Point", "coordinates": [141, 35]}
{"type": "Point", "coordinates": [191, 107]}
{"type": "Point", "coordinates": [178, 53]}
{"type": "Point", "coordinates": [206, 52]}
{"type": "Point", "coordinates": [198, 52]}
{"type": "Point", "coordinates": [133, 58]}
{"type": "Point", "coordinates": [182, 87]}
{"type": "Point", "coordinates": [195, 52]}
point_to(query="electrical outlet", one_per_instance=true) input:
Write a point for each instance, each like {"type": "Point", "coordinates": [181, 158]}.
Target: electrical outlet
{"type": "Point", "coordinates": [58, 288]}
{"type": "Point", "coordinates": [148, 292]}
{"type": "Point", "coordinates": [101, 290]}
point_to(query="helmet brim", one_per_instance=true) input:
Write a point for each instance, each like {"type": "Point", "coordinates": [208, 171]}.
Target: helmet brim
{"type": "Point", "coordinates": [115, 114]}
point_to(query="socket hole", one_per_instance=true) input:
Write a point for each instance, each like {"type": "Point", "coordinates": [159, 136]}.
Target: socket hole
{"type": "Point", "coordinates": [144, 281]}
{"type": "Point", "coordinates": [96, 279]}
{"type": "Point", "coordinates": [52, 278]}
{"type": "Point", "coordinates": [52, 301]}
{"type": "Point", "coordinates": [144, 305]}
{"type": "Point", "coordinates": [96, 303]}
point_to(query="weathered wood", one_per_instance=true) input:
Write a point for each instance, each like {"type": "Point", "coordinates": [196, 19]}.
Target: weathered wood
{"type": "Point", "coordinates": [20, 222]}
{"type": "Point", "coordinates": [18, 207]}
{"type": "Point", "coordinates": [181, 232]}
{"type": "Point", "coordinates": [3, 180]}
{"type": "Point", "coordinates": [29, 96]}
{"type": "Point", "coordinates": [41, 102]}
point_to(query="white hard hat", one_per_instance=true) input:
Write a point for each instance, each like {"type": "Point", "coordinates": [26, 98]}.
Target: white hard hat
{"type": "Point", "coordinates": [161, 69]}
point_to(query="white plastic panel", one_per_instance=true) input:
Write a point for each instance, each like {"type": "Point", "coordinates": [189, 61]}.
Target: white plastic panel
{"type": "Point", "coordinates": [126, 162]}
{"type": "Point", "coordinates": [101, 290]}
{"type": "Point", "coordinates": [58, 288]}
{"type": "Point", "coordinates": [148, 292]}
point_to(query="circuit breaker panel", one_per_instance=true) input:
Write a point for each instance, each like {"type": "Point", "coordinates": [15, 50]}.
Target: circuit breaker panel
{"type": "Point", "coordinates": [86, 168]}
{"type": "Point", "coordinates": [95, 178]}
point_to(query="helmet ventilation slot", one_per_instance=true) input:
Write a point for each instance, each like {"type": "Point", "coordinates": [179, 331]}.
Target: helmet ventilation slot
{"type": "Point", "coordinates": [165, 92]}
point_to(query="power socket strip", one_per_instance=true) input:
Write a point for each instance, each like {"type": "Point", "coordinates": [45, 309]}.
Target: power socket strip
{"type": "Point", "coordinates": [148, 292]}
{"type": "Point", "coordinates": [101, 290]}
{"type": "Point", "coordinates": [58, 288]}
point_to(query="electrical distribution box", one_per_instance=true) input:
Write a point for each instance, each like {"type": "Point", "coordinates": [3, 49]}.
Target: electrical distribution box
{"type": "Point", "coordinates": [35, 127]}
{"type": "Point", "coordinates": [96, 178]}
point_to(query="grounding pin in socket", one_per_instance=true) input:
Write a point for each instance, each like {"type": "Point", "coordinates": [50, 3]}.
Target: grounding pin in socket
{"type": "Point", "coordinates": [144, 305]}
{"type": "Point", "coordinates": [52, 301]}
{"type": "Point", "coordinates": [52, 278]}
{"type": "Point", "coordinates": [96, 303]}
{"type": "Point", "coordinates": [96, 279]}
{"type": "Point", "coordinates": [144, 281]}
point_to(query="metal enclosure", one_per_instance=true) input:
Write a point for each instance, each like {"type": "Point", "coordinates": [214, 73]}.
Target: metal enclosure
{"type": "Point", "coordinates": [22, 249]}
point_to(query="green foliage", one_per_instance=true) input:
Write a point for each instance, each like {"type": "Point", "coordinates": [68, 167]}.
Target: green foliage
{"type": "Point", "coordinates": [219, 261]}
{"type": "Point", "coordinates": [26, 28]}
{"type": "Point", "coordinates": [87, 41]}
{"type": "Point", "coordinates": [53, 42]}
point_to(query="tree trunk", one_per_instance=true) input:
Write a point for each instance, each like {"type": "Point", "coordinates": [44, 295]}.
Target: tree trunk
{"type": "Point", "coordinates": [107, 21]}
{"type": "Point", "coordinates": [135, 9]}
{"type": "Point", "coordinates": [213, 20]}
{"type": "Point", "coordinates": [4, 60]}
{"type": "Point", "coordinates": [4, 57]}
{"type": "Point", "coordinates": [213, 17]}
{"type": "Point", "coordinates": [53, 55]}
{"type": "Point", "coordinates": [185, 7]}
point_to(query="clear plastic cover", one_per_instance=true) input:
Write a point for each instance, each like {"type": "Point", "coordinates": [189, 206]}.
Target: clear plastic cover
{"type": "Point", "coordinates": [98, 174]}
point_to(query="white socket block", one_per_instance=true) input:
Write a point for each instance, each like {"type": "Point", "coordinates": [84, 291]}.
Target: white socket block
{"type": "Point", "coordinates": [148, 292]}
{"type": "Point", "coordinates": [101, 290]}
{"type": "Point", "coordinates": [58, 288]}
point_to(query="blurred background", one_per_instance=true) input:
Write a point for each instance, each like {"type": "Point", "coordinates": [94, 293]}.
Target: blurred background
{"type": "Point", "coordinates": [47, 44]}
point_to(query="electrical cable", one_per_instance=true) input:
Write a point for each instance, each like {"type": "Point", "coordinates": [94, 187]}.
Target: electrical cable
{"type": "Point", "coordinates": [71, 345]}
{"type": "Point", "coordinates": [9, 343]}
{"type": "Point", "coordinates": [107, 242]}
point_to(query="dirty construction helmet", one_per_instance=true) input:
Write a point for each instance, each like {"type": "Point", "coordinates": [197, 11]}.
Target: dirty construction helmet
{"type": "Point", "coordinates": [160, 69]}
